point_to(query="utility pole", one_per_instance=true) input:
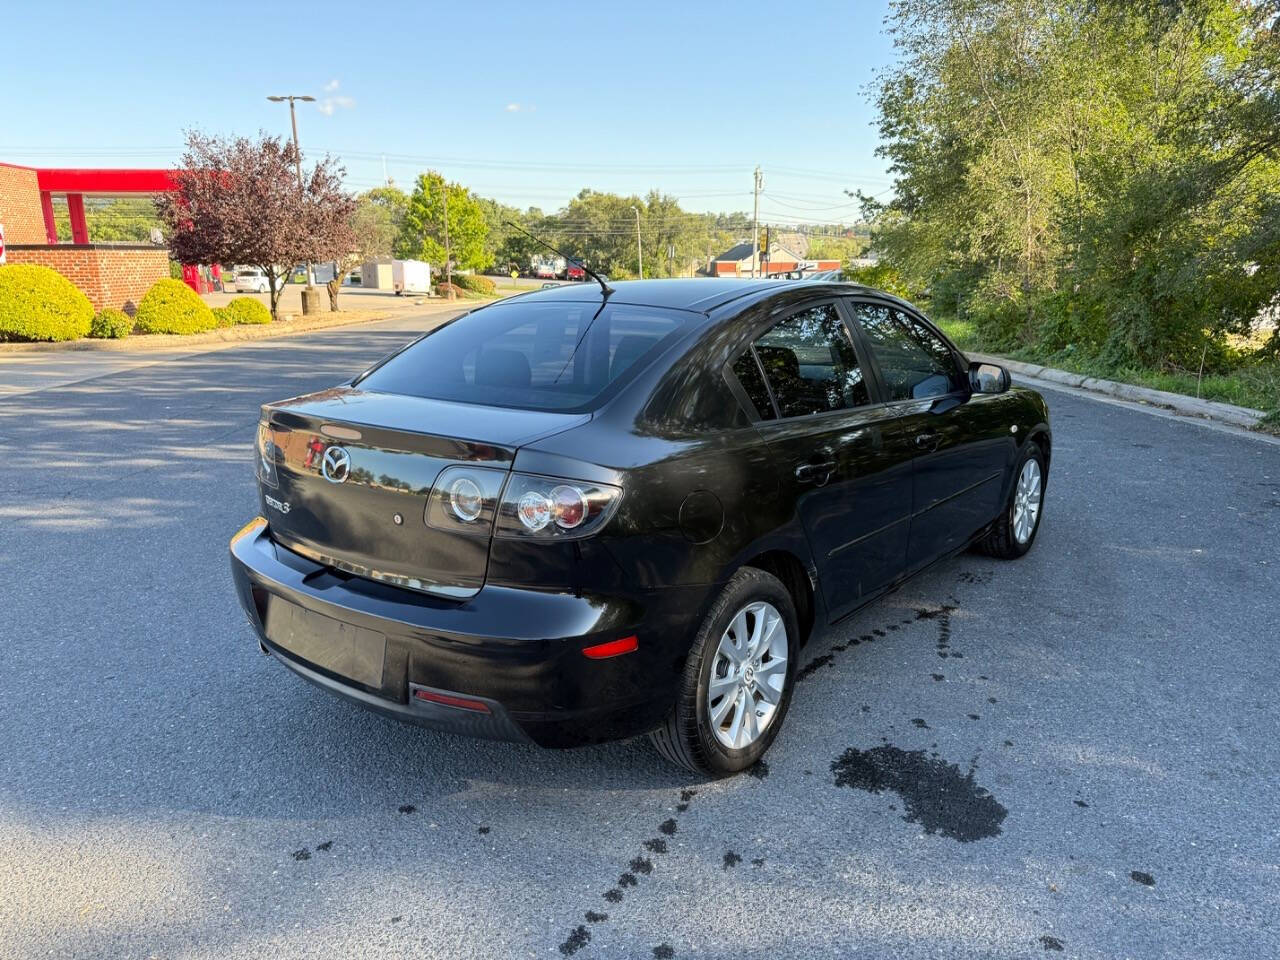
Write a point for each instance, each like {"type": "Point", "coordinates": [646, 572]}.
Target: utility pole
{"type": "Point", "coordinates": [755, 220]}
{"type": "Point", "coordinates": [297, 151]}
{"type": "Point", "coordinates": [639, 251]}
{"type": "Point", "coordinates": [448, 260]}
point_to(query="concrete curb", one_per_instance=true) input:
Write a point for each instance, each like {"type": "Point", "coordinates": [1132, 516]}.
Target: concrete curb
{"type": "Point", "coordinates": [265, 331]}
{"type": "Point", "coordinates": [1177, 402]}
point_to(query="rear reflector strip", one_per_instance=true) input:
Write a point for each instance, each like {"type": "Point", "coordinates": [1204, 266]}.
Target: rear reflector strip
{"type": "Point", "coordinates": [614, 648]}
{"type": "Point", "coordinates": [462, 703]}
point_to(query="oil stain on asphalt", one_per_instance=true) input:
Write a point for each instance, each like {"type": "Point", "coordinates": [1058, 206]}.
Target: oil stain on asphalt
{"type": "Point", "coordinates": [580, 936]}
{"type": "Point", "coordinates": [936, 794]}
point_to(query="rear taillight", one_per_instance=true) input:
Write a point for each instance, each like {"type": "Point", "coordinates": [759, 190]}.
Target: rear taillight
{"type": "Point", "coordinates": [552, 508]}
{"type": "Point", "coordinates": [267, 454]}
{"type": "Point", "coordinates": [465, 499]}
{"type": "Point", "coordinates": [474, 500]}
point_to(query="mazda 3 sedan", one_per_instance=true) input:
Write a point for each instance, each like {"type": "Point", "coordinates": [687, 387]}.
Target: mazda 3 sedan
{"type": "Point", "coordinates": [587, 513]}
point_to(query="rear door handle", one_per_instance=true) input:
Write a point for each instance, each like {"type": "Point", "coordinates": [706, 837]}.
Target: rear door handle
{"type": "Point", "coordinates": [819, 472]}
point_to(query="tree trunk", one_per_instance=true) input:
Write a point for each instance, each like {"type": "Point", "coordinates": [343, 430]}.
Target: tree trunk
{"type": "Point", "coordinates": [275, 288]}
{"type": "Point", "coordinates": [334, 287]}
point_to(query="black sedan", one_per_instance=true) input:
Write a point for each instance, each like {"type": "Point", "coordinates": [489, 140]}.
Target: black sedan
{"type": "Point", "coordinates": [587, 513]}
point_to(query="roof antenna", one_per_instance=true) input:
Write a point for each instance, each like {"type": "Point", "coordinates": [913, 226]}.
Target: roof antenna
{"type": "Point", "coordinates": [587, 270]}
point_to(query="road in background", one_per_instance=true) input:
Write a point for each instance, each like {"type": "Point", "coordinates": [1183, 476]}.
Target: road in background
{"type": "Point", "coordinates": [1071, 753]}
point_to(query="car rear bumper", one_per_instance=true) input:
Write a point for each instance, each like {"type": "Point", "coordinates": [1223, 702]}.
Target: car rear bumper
{"type": "Point", "coordinates": [505, 664]}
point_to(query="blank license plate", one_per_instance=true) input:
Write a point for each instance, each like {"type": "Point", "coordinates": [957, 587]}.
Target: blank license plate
{"type": "Point", "coordinates": [332, 645]}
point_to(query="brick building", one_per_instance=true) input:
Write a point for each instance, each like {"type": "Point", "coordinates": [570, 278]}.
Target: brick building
{"type": "Point", "coordinates": [111, 275]}
{"type": "Point", "coordinates": [739, 259]}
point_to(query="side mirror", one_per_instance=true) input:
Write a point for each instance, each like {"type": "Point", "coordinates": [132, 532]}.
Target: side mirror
{"type": "Point", "coordinates": [988, 377]}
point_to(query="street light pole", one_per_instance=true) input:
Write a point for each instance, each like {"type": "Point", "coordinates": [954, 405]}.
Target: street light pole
{"type": "Point", "coordinates": [297, 151]}
{"type": "Point", "coordinates": [639, 249]}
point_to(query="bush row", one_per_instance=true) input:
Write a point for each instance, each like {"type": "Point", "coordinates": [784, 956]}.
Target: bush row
{"type": "Point", "coordinates": [37, 303]}
{"type": "Point", "coordinates": [475, 283]}
{"type": "Point", "coordinates": [242, 310]}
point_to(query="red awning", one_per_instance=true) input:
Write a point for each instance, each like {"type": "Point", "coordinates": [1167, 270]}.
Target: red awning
{"type": "Point", "coordinates": [79, 180]}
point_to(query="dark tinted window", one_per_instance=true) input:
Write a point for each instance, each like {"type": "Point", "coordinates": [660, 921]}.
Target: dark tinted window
{"type": "Point", "coordinates": [914, 362]}
{"type": "Point", "coordinates": [544, 356]}
{"type": "Point", "coordinates": [810, 363]}
{"type": "Point", "coordinates": [747, 371]}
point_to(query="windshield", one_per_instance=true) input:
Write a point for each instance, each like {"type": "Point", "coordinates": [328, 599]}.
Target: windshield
{"type": "Point", "coordinates": [539, 356]}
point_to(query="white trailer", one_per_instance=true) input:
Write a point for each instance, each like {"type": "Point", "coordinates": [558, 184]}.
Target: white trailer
{"type": "Point", "coordinates": [410, 276]}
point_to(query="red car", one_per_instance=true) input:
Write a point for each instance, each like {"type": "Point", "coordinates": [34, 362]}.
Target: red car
{"type": "Point", "coordinates": [575, 272]}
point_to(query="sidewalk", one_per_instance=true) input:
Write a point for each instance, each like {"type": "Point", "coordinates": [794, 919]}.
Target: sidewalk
{"type": "Point", "coordinates": [351, 298]}
{"type": "Point", "coordinates": [1179, 403]}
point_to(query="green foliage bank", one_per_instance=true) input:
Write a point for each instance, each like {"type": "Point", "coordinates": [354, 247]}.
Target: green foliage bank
{"type": "Point", "coordinates": [1089, 177]}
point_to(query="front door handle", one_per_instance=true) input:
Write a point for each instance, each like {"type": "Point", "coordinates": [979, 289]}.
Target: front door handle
{"type": "Point", "coordinates": [818, 473]}
{"type": "Point", "coordinates": [927, 441]}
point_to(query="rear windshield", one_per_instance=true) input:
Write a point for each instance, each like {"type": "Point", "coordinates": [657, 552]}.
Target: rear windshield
{"type": "Point", "coordinates": [540, 356]}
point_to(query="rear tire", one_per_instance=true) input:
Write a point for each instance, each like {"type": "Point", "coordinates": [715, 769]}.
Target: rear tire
{"type": "Point", "coordinates": [723, 729]}
{"type": "Point", "coordinates": [1015, 531]}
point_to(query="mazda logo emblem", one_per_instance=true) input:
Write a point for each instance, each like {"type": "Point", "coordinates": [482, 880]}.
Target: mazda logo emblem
{"type": "Point", "coordinates": [336, 465]}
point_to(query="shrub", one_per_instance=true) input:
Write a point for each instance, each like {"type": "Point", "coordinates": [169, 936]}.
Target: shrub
{"type": "Point", "coordinates": [476, 283]}
{"type": "Point", "coordinates": [247, 310]}
{"type": "Point", "coordinates": [170, 306]}
{"type": "Point", "coordinates": [878, 276]}
{"type": "Point", "coordinates": [37, 303]}
{"type": "Point", "coordinates": [224, 316]}
{"type": "Point", "coordinates": [111, 325]}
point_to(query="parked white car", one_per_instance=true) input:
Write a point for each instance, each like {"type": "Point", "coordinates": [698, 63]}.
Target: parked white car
{"type": "Point", "coordinates": [251, 280]}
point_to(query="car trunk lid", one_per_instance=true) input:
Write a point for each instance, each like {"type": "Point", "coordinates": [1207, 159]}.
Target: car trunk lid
{"type": "Point", "coordinates": [353, 471]}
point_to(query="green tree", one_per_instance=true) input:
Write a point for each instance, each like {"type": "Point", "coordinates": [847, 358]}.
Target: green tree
{"type": "Point", "coordinates": [422, 230]}
{"type": "Point", "coordinates": [1087, 173]}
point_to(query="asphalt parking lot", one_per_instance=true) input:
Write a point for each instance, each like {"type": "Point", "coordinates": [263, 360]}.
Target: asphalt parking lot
{"type": "Point", "coordinates": [1074, 754]}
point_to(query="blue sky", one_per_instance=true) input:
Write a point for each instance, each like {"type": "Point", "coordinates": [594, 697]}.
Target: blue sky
{"type": "Point", "coordinates": [525, 102]}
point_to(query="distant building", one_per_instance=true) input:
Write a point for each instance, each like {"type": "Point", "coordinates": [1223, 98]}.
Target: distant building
{"type": "Point", "coordinates": [738, 260]}
{"type": "Point", "coordinates": [110, 274]}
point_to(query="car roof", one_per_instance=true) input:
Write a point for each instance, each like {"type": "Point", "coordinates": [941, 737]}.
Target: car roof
{"type": "Point", "coordinates": [697, 294]}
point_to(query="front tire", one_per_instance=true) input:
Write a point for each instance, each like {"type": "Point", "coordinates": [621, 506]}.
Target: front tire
{"type": "Point", "coordinates": [1015, 531]}
{"type": "Point", "coordinates": [737, 680]}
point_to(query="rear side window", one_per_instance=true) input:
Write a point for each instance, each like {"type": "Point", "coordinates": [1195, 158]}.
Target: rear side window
{"type": "Point", "coordinates": [540, 356]}
{"type": "Point", "coordinates": [747, 371]}
{"type": "Point", "coordinates": [810, 363]}
{"type": "Point", "coordinates": [914, 362]}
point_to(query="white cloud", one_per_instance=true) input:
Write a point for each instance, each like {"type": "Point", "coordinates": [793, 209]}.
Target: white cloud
{"type": "Point", "coordinates": [330, 105]}
{"type": "Point", "coordinates": [331, 86]}
{"type": "Point", "coordinates": [513, 108]}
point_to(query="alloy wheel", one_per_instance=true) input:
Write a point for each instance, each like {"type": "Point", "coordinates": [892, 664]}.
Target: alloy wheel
{"type": "Point", "coordinates": [748, 675]}
{"type": "Point", "coordinates": [1026, 501]}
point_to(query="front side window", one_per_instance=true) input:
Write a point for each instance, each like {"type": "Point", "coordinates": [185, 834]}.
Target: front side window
{"type": "Point", "coordinates": [914, 362]}
{"type": "Point", "coordinates": [810, 363]}
{"type": "Point", "coordinates": [558, 356]}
